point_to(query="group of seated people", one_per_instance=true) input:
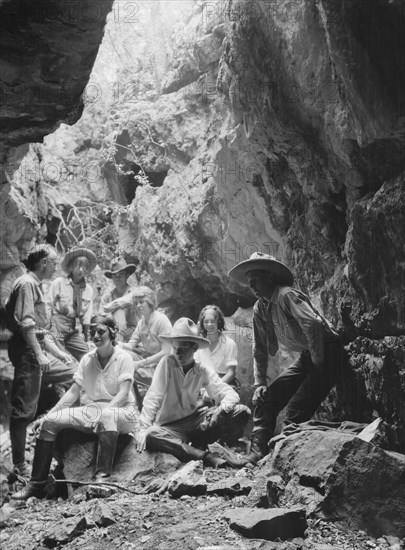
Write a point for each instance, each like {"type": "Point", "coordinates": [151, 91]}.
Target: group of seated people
{"type": "Point", "coordinates": [190, 370]}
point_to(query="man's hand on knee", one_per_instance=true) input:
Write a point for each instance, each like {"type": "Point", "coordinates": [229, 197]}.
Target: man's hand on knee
{"type": "Point", "coordinates": [37, 425]}
{"type": "Point", "coordinates": [213, 417]}
{"type": "Point", "coordinates": [259, 395]}
{"type": "Point", "coordinates": [43, 361]}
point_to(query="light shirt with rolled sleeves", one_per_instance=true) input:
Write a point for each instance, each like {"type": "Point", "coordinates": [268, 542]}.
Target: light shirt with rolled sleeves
{"type": "Point", "coordinates": [174, 395]}
{"type": "Point", "coordinates": [147, 333]}
{"type": "Point", "coordinates": [224, 355]}
{"type": "Point", "coordinates": [60, 297]}
{"type": "Point", "coordinates": [288, 318]}
{"type": "Point", "coordinates": [102, 384]}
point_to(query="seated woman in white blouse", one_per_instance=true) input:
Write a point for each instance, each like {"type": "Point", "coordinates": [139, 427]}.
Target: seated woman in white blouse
{"type": "Point", "coordinates": [222, 354]}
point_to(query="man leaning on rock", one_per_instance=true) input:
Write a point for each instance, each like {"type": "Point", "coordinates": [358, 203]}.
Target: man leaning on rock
{"type": "Point", "coordinates": [170, 420]}
{"type": "Point", "coordinates": [285, 315]}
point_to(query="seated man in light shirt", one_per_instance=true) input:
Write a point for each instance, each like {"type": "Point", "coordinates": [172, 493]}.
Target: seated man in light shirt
{"type": "Point", "coordinates": [170, 418]}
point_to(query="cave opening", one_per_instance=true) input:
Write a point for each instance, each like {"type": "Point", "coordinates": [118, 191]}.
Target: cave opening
{"type": "Point", "coordinates": [135, 176]}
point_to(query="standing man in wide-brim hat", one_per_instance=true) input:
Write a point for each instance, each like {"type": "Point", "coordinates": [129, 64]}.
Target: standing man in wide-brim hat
{"type": "Point", "coordinates": [125, 313]}
{"type": "Point", "coordinates": [285, 315]}
{"type": "Point", "coordinates": [171, 417]}
{"type": "Point", "coordinates": [70, 299]}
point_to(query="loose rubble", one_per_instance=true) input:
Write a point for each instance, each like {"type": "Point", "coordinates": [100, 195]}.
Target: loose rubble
{"type": "Point", "coordinates": [175, 506]}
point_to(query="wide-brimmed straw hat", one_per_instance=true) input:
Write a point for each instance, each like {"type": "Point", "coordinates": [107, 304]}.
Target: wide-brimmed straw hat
{"type": "Point", "coordinates": [75, 253]}
{"type": "Point", "coordinates": [262, 262]}
{"type": "Point", "coordinates": [185, 329]}
{"type": "Point", "coordinates": [118, 265]}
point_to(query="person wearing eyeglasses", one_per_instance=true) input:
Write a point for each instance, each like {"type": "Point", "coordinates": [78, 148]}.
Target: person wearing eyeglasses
{"type": "Point", "coordinates": [36, 358]}
{"type": "Point", "coordinates": [105, 377]}
{"type": "Point", "coordinates": [171, 420]}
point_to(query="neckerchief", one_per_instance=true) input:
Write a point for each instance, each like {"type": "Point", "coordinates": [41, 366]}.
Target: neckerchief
{"type": "Point", "coordinates": [77, 294]}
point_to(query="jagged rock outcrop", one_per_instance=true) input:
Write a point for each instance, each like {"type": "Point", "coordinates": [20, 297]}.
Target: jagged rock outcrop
{"type": "Point", "coordinates": [337, 476]}
{"type": "Point", "coordinates": [48, 49]}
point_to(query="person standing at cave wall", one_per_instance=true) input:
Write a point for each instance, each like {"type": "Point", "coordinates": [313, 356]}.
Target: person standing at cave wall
{"type": "Point", "coordinates": [70, 299]}
{"type": "Point", "coordinates": [126, 315]}
{"type": "Point", "coordinates": [285, 315]}
{"type": "Point", "coordinates": [36, 358]}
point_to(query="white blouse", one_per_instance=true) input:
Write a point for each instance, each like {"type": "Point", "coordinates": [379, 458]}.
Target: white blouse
{"type": "Point", "coordinates": [224, 355]}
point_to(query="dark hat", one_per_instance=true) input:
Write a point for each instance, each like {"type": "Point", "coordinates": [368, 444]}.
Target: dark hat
{"type": "Point", "coordinates": [262, 262]}
{"type": "Point", "coordinates": [76, 253]}
{"type": "Point", "coordinates": [118, 265]}
{"type": "Point", "coordinates": [185, 329]}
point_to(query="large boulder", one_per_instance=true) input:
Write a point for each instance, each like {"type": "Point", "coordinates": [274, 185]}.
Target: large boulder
{"type": "Point", "coordinates": [78, 452]}
{"type": "Point", "coordinates": [340, 477]}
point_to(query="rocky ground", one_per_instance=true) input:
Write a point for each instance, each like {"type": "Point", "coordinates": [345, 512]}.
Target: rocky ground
{"type": "Point", "coordinates": [91, 520]}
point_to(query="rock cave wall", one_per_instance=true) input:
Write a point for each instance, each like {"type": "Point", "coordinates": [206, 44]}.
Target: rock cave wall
{"type": "Point", "coordinates": [276, 126]}
{"type": "Point", "coordinates": [48, 51]}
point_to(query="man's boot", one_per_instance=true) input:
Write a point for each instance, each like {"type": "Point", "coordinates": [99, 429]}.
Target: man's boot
{"type": "Point", "coordinates": [107, 443]}
{"type": "Point", "coordinates": [175, 447]}
{"type": "Point", "coordinates": [258, 448]}
{"type": "Point", "coordinates": [40, 470]}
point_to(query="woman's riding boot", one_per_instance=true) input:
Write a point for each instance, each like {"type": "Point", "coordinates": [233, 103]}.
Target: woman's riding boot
{"type": "Point", "coordinates": [40, 470]}
{"type": "Point", "coordinates": [107, 443]}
